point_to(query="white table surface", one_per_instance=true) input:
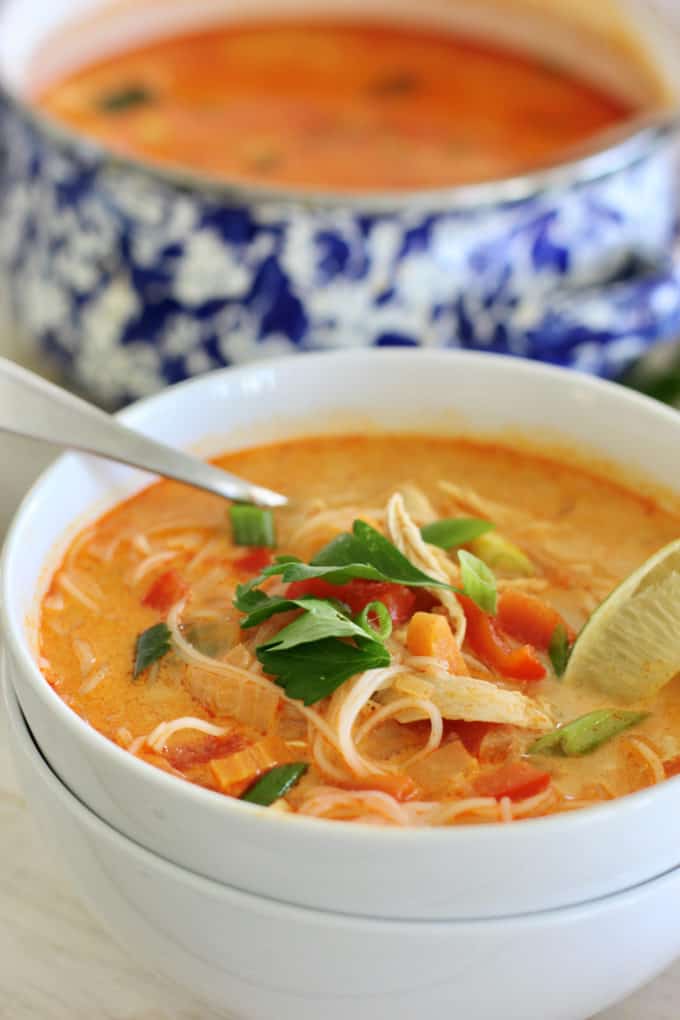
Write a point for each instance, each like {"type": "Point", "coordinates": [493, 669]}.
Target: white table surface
{"type": "Point", "coordinates": [56, 963]}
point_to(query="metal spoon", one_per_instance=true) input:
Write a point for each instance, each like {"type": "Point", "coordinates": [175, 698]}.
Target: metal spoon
{"type": "Point", "coordinates": [30, 406]}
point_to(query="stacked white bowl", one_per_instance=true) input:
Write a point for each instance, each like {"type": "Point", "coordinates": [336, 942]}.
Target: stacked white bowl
{"type": "Point", "coordinates": [274, 916]}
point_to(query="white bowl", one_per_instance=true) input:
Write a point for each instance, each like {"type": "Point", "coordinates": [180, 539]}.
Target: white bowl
{"type": "Point", "coordinates": [465, 872]}
{"type": "Point", "coordinates": [273, 961]}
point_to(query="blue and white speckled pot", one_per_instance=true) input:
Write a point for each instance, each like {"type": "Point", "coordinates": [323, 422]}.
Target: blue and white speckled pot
{"type": "Point", "coordinates": [134, 277]}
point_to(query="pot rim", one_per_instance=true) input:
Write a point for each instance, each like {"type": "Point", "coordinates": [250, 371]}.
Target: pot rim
{"type": "Point", "coordinates": [604, 155]}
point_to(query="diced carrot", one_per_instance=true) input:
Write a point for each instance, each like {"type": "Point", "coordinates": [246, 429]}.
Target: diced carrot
{"type": "Point", "coordinates": [492, 648]}
{"type": "Point", "coordinates": [237, 771]}
{"type": "Point", "coordinates": [516, 780]}
{"type": "Point", "coordinates": [165, 592]}
{"type": "Point", "coordinates": [401, 787]}
{"type": "Point", "coordinates": [528, 619]}
{"type": "Point", "coordinates": [255, 560]}
{"type": "Point", "coordinates": [672, 767]}
{"type": "Point", "coordinates": [429, 634]}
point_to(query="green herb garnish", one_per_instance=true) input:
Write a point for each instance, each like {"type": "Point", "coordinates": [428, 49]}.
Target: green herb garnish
{"type": "Point", "coordinates": [324, 646]}
{"type": "Point", "coordinates": [558, 650]}
{"type": "Point", "coordinates": [363, 554]}
{"type": "Point", "coordinates": [478, 581]}
{"type": "Point", "coordinates": [381, 625]}
{"type": "Point", "coordinates": [252, 525]}
{"type": "Point", "coordinates": [125, 98]}
{"type": "Point", "coordinates": [454, 531]}
{"type": "Point", "coordinates": [322, 619]}
{"type": "Point", "coordinates": [275, 784]}
{"type": "Point", "coordinates": [588, 732]}
{"type": "Point", "coordinates": [309, 658]}
{"type": "Point", "coordinates": [312, 671]}
{"type": "Point", "coordinates": [152, 644]}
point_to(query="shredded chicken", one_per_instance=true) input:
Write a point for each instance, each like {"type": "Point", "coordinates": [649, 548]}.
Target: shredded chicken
{"type": "Point", "coordinates": [465, 697]}
{"type": "Point", "coordinates": [405, 534]}
{"type": "Point", "coordinates": [416, 503]}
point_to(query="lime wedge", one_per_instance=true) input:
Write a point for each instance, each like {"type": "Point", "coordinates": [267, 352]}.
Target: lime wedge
{"type": "Point", "coordinates": [630, 646]}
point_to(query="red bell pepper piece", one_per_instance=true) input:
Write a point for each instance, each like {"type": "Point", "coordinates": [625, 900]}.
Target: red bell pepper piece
{"type": "Point", "coordinates": [255, 560]}
{"type": "Point", "coordinates": [491, 647]}
{"type": "Point", "coordinates": [528, 619]}
{"type": "Point", "coordinates": [397, 599]}
{"type": "Point", "coordinates": [472, 733]}
{"type": "Point", "coordinates": [165, 592]}
{"type": "Point", "coordinates": [516, 780]}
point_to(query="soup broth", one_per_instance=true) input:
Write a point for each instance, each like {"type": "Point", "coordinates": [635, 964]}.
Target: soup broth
{"type": "Point", "coordinates": [333, 105]}
{"type": "Point", "coordinates": [436, 722]}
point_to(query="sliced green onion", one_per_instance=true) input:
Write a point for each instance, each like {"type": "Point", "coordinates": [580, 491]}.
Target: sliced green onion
{"type": "Point", "coordinates": [251, 525]}
{"type": "Point", "coordinates": [152, 644]}
{"type": "Point", "coordinates": [275, 783]}
{"type": "Point", "coordinates": [453, 531]}
{"type": "Point", "coordinates": [382, 626]}
{"type": "Point", "coordinates": [479, 583]}
{"type": "Point", "coordinates": [588, 732]}
{"type": "Point", "coordinates": [558, 650]}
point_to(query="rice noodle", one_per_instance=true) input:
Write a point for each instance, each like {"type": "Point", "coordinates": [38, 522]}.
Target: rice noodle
{"type": "Point", "coordinates": [85, 655]}
{"type": "Point", "coordinates": [403, 704]}
{"type": "Point", "coordinates": [149, 564]}
{"type": "Point", "coordinates": [141, 543]}
{"type": "Point", "coordinates": [327, 802]}
{"type": "Point", "coordinates": [77, 547]}
{"type": "Point", "coordinates": [649, 758]}
{"type": "Point", "coordinates": [534, 805]}
{"type": "Point", "coordinates": [192, 656]}
{"type": "Point", "coordinates": [123, 736]}
{"type": "Point", "coordinates": [483, 807]}
{"type": "Point", "coordinates": [317, 747]}
{"type": "Point", "coordinates": [159, 737]}
{"type": "Point", "coordinates": [324, 524]}
{"type": "Point", "coordinates": [210, 547]}
{"type": "Point", "coordinates": [71, 588]}
{"type": "Point", "coordinates": [345, 708]}
{"type": "Point", "coordinates": [505, 805]}
{"type": "Point", "coordinates": [94, 680]}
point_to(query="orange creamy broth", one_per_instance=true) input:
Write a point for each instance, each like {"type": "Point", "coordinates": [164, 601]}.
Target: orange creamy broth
{"type": "Point", "coordinates": [582, 532]}
{"type": "Point", "coordinates": [333, 105]}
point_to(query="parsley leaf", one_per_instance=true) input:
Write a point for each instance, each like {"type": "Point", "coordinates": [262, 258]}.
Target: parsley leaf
{"type": "Point", "coordinates": [322, 619]}
{"type": "Point", "coordinates": [312, 671]}
{"type": "Point", "coordinates": [152, 644]}
{"type": "Point", "coordinates": [453, 531]}
{"type": "Point", "coordinates": [364, 554]}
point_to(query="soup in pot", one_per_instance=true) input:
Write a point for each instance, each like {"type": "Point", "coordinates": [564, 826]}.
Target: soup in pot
{"type": "Point", "coordinates": [395, 646]}
{"type": "Point", "coordinates": [333, 105]}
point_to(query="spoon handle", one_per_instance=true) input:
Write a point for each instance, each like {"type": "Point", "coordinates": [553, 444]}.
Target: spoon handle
{"type": "Point", "coordinates": [31, 406]}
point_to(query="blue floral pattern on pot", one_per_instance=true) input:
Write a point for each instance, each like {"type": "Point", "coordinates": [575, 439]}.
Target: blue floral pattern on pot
{"type": "Point", "coordinates": [133, 280]}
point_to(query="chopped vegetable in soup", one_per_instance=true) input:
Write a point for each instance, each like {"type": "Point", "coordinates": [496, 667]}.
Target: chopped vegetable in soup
{"type": "Point", "coordinates": [333, 105]}
{"type": "Point", "coordinates": [366, 653]}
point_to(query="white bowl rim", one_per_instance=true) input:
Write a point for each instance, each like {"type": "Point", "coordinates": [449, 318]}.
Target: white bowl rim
{"type": "Point", "coordinates": [101, 829]}
{"type": "Point", "coordinates": [301, 827]}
